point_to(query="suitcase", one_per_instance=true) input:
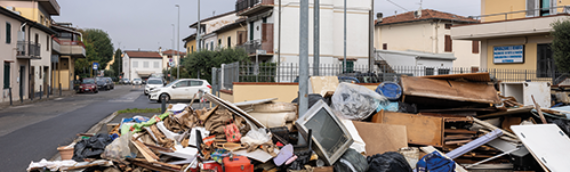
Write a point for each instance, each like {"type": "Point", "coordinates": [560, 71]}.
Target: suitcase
{"type": "Point", "coordinates": [237, 164]}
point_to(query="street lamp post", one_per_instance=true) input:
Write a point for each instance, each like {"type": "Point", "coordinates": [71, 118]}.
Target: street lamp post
{"type": "Point", "coordinates": [178, 45]}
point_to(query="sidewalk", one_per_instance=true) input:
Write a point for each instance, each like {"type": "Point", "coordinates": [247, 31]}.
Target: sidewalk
{"type": "Point", "coordinates": [55, 94]}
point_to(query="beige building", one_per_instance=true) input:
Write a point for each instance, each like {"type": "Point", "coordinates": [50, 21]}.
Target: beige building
{"type": "Point", "coordinates": [232, 35]}
{"type": "Point", "coordinates": [169, 55]}
{"type": "Point", "coordinates": [67, 47]}
{"type": "Point", "coordinates": [426, 31]}
{"type": "Point", "coordinates": [515, 35]}
{"type": "Point", "coordinates": [19, 51]}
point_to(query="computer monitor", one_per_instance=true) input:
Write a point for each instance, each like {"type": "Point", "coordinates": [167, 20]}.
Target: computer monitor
{"type": "Point", "coordinates": [330, 137]}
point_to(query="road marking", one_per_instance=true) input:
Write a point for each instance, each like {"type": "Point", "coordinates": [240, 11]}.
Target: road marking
{"type": "Point", "coordinates": [58, 98]}
{"type": "Point", "coordinates": [130, 97]}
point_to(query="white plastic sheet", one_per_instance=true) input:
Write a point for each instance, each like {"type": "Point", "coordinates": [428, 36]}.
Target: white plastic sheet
{"type": "Point", "coordinates": [355, 102]}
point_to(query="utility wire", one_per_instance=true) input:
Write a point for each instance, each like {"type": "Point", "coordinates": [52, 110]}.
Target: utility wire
{"type": "Point", "coordinates": [397, 5]}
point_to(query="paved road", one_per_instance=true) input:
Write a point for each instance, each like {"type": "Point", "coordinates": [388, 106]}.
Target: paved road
{"type": "Point", "coordinates": [32, 132]}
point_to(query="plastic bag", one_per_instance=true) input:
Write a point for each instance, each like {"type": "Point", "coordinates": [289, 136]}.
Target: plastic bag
{"type": "Point", "coordinates": [120, 149]}
{"type": "Point", "coordinates": [388, 162]}
{"type": "Point", "coordinates": [435, 162]}
{"type": "Point", "coordinates": [232, 133]}
{"type": "Point", "coordinates": [91, 148]}
{"type": "Point", "coordinates": [351, 161]}
{"type": "Point", "coordinates": [355, 102]}
{"type": "Point", "coordinates": [256, 137]}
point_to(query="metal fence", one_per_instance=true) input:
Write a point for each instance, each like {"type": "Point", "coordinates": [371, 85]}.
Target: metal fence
{"type": "Point", "coordinates": [269, 72]}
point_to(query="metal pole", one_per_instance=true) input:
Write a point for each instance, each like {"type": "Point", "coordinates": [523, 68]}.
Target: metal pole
{"type": "Point", "coordinates": [256, 66]}
{"type": "Point", "coordinates": [162, 104]}
{"type": "Point", "coordinates": [316, 37]}
{"type": "Point", "coordinates": [178, 46]}
{"type": "Point", "coordinates": [41, 91]}
{"type": "Point", "coordinates": [304, 57]}
{"type": "Point", "coordinates": [10, 93]}
{"type": "Point", "coordinates": [371, 38]}
{"type": "Point", "coordinates": [344, 61]}
{"type": "Point", "coordinates": [198, 37]}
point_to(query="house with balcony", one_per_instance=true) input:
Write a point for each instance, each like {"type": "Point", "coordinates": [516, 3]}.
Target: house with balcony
{"type": "Point", "coordinates": [209, 39]}
{"type": "Point", "coordinates": [19, 50]}
{"type": "Point", "coordinates": [67, 47]}
{"type": "Point", "coordinates": [281, 42]}
{"type": "Point", "coordinates": [141, 64]}
{"type": "Point", "coordinates": [36, 41]}
{"type": "Point", "coordinates": [190, 43]}
{"type": "Point", "coordinates": [425, 31]}
{"type": "Point", "coordinates": [515, 35]}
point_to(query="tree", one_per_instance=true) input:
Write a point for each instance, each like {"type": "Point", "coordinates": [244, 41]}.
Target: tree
{"type": "Point", "coordinates": [117, 64]}
{"type": "Point", "coordinates": [561, 45]}
{"type": "Point", "coordinates": [201, 63]}
{"type": "Point", "coordinates": [183, 73]}
{"type": "Point", "coordinates": [98, 48]}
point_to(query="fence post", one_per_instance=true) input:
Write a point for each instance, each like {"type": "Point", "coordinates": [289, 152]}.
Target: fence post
{"type": "Point", "coordinates": [214, 81]}
{"type": "Point", "coordinates": [59, 89]}
{"type": "Point", "coordinates": [41, 92]}
{"type": "Point", "coordinates": [48, 91]}
{"type": "Point", "coordinates": [163, 104]}
{"type": "Point", "coordinates": [10, 94]}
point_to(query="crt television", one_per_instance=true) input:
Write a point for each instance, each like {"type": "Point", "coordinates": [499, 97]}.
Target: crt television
{"type": "Point", "coordinates": [330, 137]}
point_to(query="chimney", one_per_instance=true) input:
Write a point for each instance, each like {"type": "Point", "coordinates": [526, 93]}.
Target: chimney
{"type": "Point", "coordinates": [159, 50]}
{"type": "Point", "coordinates": [379, 17]}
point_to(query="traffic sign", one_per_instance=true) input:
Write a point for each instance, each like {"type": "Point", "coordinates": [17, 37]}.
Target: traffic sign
{"type": "Point", "coordinates": [95, 65]}
{"type": "Point", "coordinates": [171, 63]}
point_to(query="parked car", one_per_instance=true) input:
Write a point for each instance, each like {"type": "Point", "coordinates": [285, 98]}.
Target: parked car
{"type": "Point", "coordinates": [101, 84]}
{"type": "Point", "coordinates": [349, 79]}
{"type": "Point", "coordinates": [125, 81]}
{"type": "Point", "coordinates": [88, 85]}
{"type": "Point", "coordinates": [109, 84]}
{"type": "Point", "coordinates": [137, 81]}
{"type": "Point", "coordinates": [153, 83]}
{"type": "Point", "coordinates": [181, 89]}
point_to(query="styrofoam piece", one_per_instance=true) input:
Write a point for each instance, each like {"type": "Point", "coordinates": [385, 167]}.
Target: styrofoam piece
{"type": "Point", "coordinates": [522, 91]}
{"type": "Point", "coordinates": [475, 144]}
{"type": "Point", "coordinates": [186, 155]}
{"type": "Point", "coordinates": [178, 107]}
{"type": "Point", "coordinates": [169, 134]}
{"type": "Point", "coordinates": [549, 145]}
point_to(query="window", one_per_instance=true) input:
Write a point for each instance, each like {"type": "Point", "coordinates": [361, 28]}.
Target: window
{"type": "Point", "coordinates": [264, 19]}
{"type": "Point", "coordinates": [429, 71]}
{"type": "Point", "coordinates": [155, 64]}
{"type": "Point", "coordinates": [145, 64]}
{"type": "Point", "coordinates": [229, 42]}
{"type": "Point", "coordinates": [250, 31]}
{"type": "Point", "coordinates": [448, 44]}
{"type": "Point", "coordinates": [447, 26]}
{"type": "Point", "coordinates": [385, 46]}
{"type": "Point", "coordinates": [207, 46]}
{"type": "Point", "coordinates": [540, 7]}
{"type": "Point", "coordinates": [220, 43]}
{"type": "Point", "coordinates": [135, 64]}
{"type": "Point", "coordinates": [192, 48]}
{"type": "Point", "coordinates": [182, 84]}
{"type": "Point", "coordinates": [545, 66]}
{"type": "Point", "coordinates": [211, 45]}
{"type": "Point", "coordinates": [442, 71]}
{"type": "Point", "coordinates": [8, 33]}
{"type": "Point", "coordinates": [195, 83]}
{"type": "Point", "coordinates": [6, 75]}
{"type": "Point", "coordinates": [475, 47]}
{"type": "Point", "coordinates": [349, 66]}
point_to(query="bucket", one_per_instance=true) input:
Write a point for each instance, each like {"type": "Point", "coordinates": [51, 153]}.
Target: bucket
{"type": "Point", "coordinates": [66, 152]}
{"type": "Point", "coordinates": [390, 90]}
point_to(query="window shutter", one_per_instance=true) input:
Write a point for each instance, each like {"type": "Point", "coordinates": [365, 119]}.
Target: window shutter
{"type": "Point", "coordinates": [475, 47]}
{"type": "Point", "coordinates": [531, 8]}
{"type": "Point", "coordinates": [8, 33]}
{"type": "Point", "coordinates": [385, 46]}
{"type": "Point", "coordinates": [6, 75]}
{"type": "Point", "coordinates": [448, 44]}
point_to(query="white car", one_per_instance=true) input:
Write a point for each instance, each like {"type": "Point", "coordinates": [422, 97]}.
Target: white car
{"type": "Point", "coordinates": [153, 83]}
{"type": "Point", "coordinates": [137, 81]}
{"type": "Point", "coordinates": [181, 89]}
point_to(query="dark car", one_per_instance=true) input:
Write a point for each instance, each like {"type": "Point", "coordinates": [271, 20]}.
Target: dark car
{"type": "Point", "coordinates": [110, 83]}
{"type": "Point", "coordinates": [349, 79]}
{"type": "Point", "coordinates": [88, 85]}
{"type": "Point", "coordinates": [101, 84]}
{"type": "Point", "coordinates": [125, 81]}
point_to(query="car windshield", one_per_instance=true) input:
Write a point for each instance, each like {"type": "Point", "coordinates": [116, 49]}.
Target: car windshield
{"type": "Point", "coordinates": [154, 82]}
{"type": "Point", "coordinates": [125, 79]}
{"type": "Point", "coordinates": [137, 79]}
{"type": "Point", "coordinates": [100, 82]}
{"type": "Point", "coordinates": [88, 81]}
{"type": "Point", "coordinates": [171, 83]}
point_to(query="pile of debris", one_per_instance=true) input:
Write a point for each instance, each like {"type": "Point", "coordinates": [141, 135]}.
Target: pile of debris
{"type": "Point", "coordinates": [442, 123]}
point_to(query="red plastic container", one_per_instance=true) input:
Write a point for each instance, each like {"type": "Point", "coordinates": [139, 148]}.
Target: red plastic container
{"type": "Point", "coordinates": [237, 164]}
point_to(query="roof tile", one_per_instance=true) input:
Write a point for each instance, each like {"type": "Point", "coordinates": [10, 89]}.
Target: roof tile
{"type": "Point", "coordinates": [426, 14]}
{"type": "Point", "coordinates": [143, 54]}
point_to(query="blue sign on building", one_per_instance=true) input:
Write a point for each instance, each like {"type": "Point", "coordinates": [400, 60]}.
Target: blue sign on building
{"type": "Point", "coordinates": [508, 54]}
{"type": "Point", "coordinates": [95, 65]}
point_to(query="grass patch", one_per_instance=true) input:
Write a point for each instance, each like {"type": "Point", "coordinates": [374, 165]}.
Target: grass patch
{"type": "Point", "coordinates": [137, 110]}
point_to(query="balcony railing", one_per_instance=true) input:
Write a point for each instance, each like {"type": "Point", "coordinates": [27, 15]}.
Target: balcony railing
{"type": "Point", "coordinates": [242, 5]}
{"type": "Point", "coordinates": [28, 49]}
{"type": "Point", "coordinates": [251, 46]}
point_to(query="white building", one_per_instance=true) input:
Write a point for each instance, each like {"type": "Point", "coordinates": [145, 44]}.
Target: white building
{"type": "Point", "coordinates": [141, 64]}
{"type": "Point", "coordinates": [426, 31]}
{"type": "Point", "coordinates": [264, 30]}
{"type": "Point", "coordinates": [209, 39]}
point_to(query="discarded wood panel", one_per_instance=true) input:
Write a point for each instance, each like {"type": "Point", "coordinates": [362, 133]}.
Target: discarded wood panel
{"type": "Point", "coordinates": [381, 138]}
{"type": "Point", "coordinates": [458, 136]}
{"type": "Point", "coordinates": [322, 84]}
{"type": "Point", "coordinates": [459, 131]}
{"type": "Point", "coordinates": [467, 109]}
{"type": "Point", "coordinates": [449, 117]}
{"type": "Point", "coordinates": [449, 90]}
{"type": "Point", "coordinates": [510, 111]}
{"type": "Point", "coordinates": [456, 142]}
{"type": "Point", "coordinates": [509, 121]}
{"type": "Point", "coordinates": [421, 130]}
{"type": "Point", "coordinates": [547, 143]}
{"type": "Point", "coordinates": [475, 77]}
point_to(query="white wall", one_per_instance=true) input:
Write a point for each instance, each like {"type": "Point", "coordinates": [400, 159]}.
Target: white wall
{"type": "Point", "coordinates": [141, 68]}
{"type": "Point", "coordinates": [45, 54]}
{"type": "Point", "coordinates": [126, 66]}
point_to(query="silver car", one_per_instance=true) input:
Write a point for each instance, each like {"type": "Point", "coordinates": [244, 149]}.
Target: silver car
{"type": "Point", "coordinates": [181, 89]}
{"type": "Point", "coordinates": [153, 83]}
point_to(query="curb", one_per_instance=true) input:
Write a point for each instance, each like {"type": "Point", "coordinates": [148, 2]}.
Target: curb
{"type": "Point", "coordinates": [36, 100]}
{"type": "Point", "coordinates": [94, 129]}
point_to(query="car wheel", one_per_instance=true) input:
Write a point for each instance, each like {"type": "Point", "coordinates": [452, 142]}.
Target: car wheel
{"type": "Point", "coordinates": [96, 91]}
{"type": "Point", "coordinates": [166, 97]}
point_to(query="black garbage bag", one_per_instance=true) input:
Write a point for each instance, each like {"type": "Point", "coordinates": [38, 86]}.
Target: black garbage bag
{"type": "Point", "coordinates": [351, 161]}
{"type": "Point", "coordinates": [388, 162]}
{"type": "Point", "coordinates": [91, 148]}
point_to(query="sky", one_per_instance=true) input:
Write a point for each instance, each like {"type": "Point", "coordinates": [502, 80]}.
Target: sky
{"type": "Point", "coordinates": [148, 24]}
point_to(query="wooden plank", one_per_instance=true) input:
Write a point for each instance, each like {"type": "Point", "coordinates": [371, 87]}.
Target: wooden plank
{"type": "Point", "coordinates": [477, 77]}
{"type": "Point", "coordinates": [458, 136]}
{"type": "Point", "coordinates": [420, 129]}
{"type": "Point", "coordinates": [381, 138]}
{"type": "Point", "coordinates": [459, 131]}
{"type": "Point", "coordinates": [455, 142]}
{"type": "Point", "coordinates": [450, 90]}
{"type": "Point", "coordinates": [508, 112]}
{"type": "Point", "coordinates": [147, 153]}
